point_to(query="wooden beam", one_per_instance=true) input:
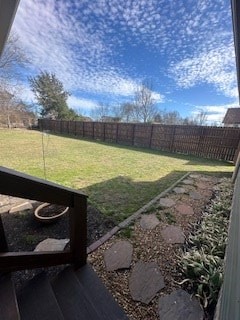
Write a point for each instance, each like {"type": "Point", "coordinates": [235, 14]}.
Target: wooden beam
{"type": "Point", "coordinates": [236, 32]}
{"type": "Point", "coordinates": [13, 261]}
{"type": "Point", "coordinates": [8, 10]}
{"type": "Point", "coordinates": [21, 185]}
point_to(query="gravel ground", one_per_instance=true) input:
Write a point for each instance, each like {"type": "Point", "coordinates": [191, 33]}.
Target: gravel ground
{"type": "Point", "coordinates": [149, 246]}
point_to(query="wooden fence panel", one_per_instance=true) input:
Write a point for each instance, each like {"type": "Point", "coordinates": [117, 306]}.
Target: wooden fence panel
{"type": "Point", "coordinates": [142, 135]}
{"type": "Point", "coordinates": [126, 133]}
{"type": "Point", "coordinates": [210, 142]}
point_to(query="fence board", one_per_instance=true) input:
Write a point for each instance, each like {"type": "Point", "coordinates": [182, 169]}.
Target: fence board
{"type": "Point", "coordinates": [210, 142]}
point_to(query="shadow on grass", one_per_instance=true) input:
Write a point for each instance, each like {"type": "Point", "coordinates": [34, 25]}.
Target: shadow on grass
{"type": "Point", "coordinates": [191, 159]}
{"type": "Point", "coordinates": [120, 197]}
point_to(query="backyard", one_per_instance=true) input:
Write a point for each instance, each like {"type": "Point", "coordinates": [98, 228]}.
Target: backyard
{"type": "Point", "coordinates": [118, 179]}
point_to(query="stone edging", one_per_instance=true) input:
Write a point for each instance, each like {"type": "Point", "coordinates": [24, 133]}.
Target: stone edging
{"type": "Point", "coordinates": [133, 217]}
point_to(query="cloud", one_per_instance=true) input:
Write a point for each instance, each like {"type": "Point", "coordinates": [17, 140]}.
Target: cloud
{"type": "Point", "coordinates": [85, 43]}
{"type": "Point", "coordinates": [80, 103]}
{"type": "Point", "coordinates": [216, 67]}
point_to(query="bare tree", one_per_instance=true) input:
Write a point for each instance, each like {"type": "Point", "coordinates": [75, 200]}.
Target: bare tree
{"type": "Point", "coordinates": [12, 58]}
{"type": "Point", "coordinates": [201, 117]}
{"type": "Point", "coordinates": [144, 103]}
{"type": "Point", "coordinates": [101, 111]}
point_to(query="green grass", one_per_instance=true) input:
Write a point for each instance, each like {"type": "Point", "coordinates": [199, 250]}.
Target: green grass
{"type": "Point", "coordinates": [118, 179]}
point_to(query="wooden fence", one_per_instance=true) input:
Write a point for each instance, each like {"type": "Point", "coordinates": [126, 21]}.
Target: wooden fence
{"type": "Point", "coordinates": [210, 142]}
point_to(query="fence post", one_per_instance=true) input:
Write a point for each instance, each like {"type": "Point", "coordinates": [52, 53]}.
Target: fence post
{"type": "Point", "coordinates": [173, 138]}
{"type": "Point", "coordinates": [75, 128]}
{"type": "Point", "coordinates": [104, 131]}
{"type": "Point", "coordinates": [93, 130]}
{"type": "Point", "coordinates": [117, 134]}
{"type": "Point", "coordinates": [151, 135]}
{"type": "Point", "coordinates": [133, 133]}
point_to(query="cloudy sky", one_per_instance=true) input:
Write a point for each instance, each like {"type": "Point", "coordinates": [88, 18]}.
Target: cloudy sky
{"type": "Point", "coordinates": [103, 49]}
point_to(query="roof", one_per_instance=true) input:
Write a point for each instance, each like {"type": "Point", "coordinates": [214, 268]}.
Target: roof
{"type": "Point", "coordinates": [7, 13]}
{"type": "Point", "coordinates": [232, 116]}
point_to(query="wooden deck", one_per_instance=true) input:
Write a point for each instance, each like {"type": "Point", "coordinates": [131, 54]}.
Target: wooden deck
{"type": "Point", "coordinates": [76, 292]}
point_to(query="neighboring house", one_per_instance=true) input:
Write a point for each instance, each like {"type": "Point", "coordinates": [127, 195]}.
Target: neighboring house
{"type": "Point", "coordinates": [232, 118]}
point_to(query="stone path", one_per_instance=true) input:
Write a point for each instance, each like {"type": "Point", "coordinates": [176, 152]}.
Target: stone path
{"type": "Point", "coordinates": [173, 234]}
{"type": "Point", "coordinates": [145, 279]}
{"type": "Point", "coordinates": [179, 306]}
{"type": "Point", "coordinates": [149, 221]}
{"type": "Point", "coordinates": [119, 256]}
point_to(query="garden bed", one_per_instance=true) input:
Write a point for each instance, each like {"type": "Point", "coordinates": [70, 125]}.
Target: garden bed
{"type": "Point", "coordinates": [149, 246]}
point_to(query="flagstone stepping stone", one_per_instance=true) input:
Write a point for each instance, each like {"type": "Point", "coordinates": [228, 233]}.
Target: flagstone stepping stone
{"type": "Point", "coordinates": [167, 202]}
{"type": "Point", "coordinates": [145, 281]}
{"type": "Point", "coordinates": [179, 190]}
{"type": "Point", "coordinates": [149, 221]}
{"type": "Point", "coordinates": [51, 244]}
{"type": "Point", "coordinates": [173, 234]}
{"type": "Point", "coordinates": [194, 176]}
{"type": "Point", "coordinates": [179, 306]}
{"type": "Point", "coordinates": [118, 256]}
{"type": "Point", "coordinates": [184, 209]}
{"type": "Point", "coordinates": [21, 207]}
{"type": "Point", "coordinates": [188, 181]}
{"type": "Point", "coordinates": [202, 185]}
{"type": "Point", "coordinates": [195, 195]}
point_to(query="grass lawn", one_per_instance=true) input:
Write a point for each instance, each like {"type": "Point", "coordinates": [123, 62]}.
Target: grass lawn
{"type": "Point", "coordinates": [118, 179]}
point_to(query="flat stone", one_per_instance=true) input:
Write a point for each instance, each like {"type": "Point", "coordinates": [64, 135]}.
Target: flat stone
{"type": "Point", "coordinates": [167, 202]}
{"type": "Point", "coordinates": [145, 281]}
{"type": "Point", "coordinates": [194, 176]}
{"type": "Point", "coordinates": [118, 256]}
{"type": "Point", "coordinates": [184, 209]}
{"type": "Point", "coordinates": [21, 207]}
{"type": "Point", "coordinates": [179, 190]}
{"type": "Point", "coordinates": [149, 221]}
{"type": "Point", "coordinates": [188, 181]}
{"type": "Point", "coordinates": [179, 306]}
{"type": "Point", "coordinates": [195, 195]}
{"type": "Point", "coordinates": [173, 234]}
{"type": "Point", "coordinates": [202, 185]}
{"type": "Point", "coordinates": [51, 244]}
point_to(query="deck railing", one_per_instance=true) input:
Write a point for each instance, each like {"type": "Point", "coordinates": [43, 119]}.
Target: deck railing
{"type": "Point", "coordinates": [17, 184]}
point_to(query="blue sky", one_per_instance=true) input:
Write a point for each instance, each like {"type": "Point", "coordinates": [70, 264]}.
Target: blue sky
{"type": "Point", "coordinates": [102, 50]}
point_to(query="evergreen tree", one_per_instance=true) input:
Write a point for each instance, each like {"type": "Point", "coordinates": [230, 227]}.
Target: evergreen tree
{"type": "Point", "coordinates": [51, 96]}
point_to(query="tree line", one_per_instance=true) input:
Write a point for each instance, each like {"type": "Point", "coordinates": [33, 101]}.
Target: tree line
{"type": "Point", "coordinates": [51, 97]}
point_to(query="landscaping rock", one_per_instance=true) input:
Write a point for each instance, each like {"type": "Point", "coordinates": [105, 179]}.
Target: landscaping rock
{"type": "Point", "coordinates": [167, 202]}
{"type": "Point", "coordinates": [173, 234]}
{"type": "Point", "coordinates": [179, 306]}
{"type": "Point", "coordinates": [194, 176]}
{"type": "Point", "coordinates": [184, 209]}
{"type": "Point", "coordinates": [51, 244]}
{"type": "Point", "coordinates": [195, 195]}
{"type": "Point", "coordinates": [179, 190]}
{"type": "Point", "coordinates": [145, 281]}
{"type": "Point", "coordinates": [118, 256]}
{"type": "Point", "coordinates": [21, 207]}
{"type": "Point", "coordinates": [149, 221]}
{"type": "Point", "coordinates": [188, 181]}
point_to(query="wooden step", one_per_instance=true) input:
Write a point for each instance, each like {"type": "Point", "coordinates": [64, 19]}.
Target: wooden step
{"type": "Point", "coordinates": [37, 301]}
{"type": "Point", "coordinates": [8, 302]}
{"type": "Point", "coordinates": [102, 299]}
{"type": "Point", "coordinates": [71, 297]}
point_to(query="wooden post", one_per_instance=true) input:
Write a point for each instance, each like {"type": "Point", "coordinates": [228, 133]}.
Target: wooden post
{"type": "Point", "coordinates": [151, 135]}
{"type": "Point", "coordinates": [3, 241]}
{"type": "Point", "coordinates": [117, 134]}
{"type": "Point", "coordinates": [78, 230]}
{"type": "Point", "coordinates": [133, 134]}
{"type": "Point", "coordinates": [104, 131]}
{"type": "Point", "coordinates": [93, 130]}
{"type": "Point", "coordinates": [173, 138]}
